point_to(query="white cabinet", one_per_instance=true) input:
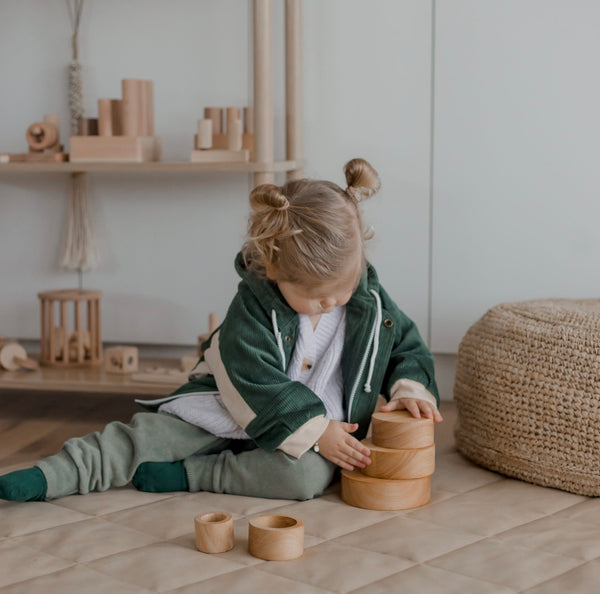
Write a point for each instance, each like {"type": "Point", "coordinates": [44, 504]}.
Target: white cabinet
{"type": "Point", "coordinates": [516, 157]}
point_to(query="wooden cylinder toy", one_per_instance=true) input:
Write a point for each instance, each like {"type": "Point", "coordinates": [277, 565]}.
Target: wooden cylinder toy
{"type": "Point", "coordinates": [70, 327]}
{"type": "Point", "coordinates": [204, 136]}
{"type": "Point", "coordinates": [388, 463]}
{"type": "Point", "coordinates": [234, 135]}
{"type": "Point", "coordinates": [248, 120]}
{"type": "Point", "coordinates": [276, 537]}
{"type": "Point", "coordinates": [41, 135]}
{"type": "Point", "coordinates": [232, 114]}
{"type": "Point", "coordinates": [131, 106]}
{"type": "Point", "coordinates": [369, 492]}
{"type": "Point", "coordinates": [216, 115]}
{"type": "Point", "coordinates": [116, 109]}
{"type": "Point", "coordinates": [399, 430]}
{"type": "Point", "coordinates": [214, 532]}
{"type": "Point", "coordinates": [105, 127]}
{"type": "Point", "coordinates": [213, 322]}
{"type": "Point", "coordinates": [148, 87]}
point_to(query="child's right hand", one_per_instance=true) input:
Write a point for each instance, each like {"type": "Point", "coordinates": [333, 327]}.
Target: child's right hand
{"type": "Point", "coordinates": [338, 446]}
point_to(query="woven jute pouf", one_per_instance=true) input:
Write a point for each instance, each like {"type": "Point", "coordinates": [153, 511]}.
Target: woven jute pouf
{"type": "Point", "coordinates": [527, 390]}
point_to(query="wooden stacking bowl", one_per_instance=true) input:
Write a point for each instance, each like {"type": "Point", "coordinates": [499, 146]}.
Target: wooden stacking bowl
{"type": "Point", "coordinates": [369, 492]}
{"type": "Point", "coordinates": [276, 537]}
{"type": "Point", "coordinates": [388, 463]}
{"type": "Point", "coordinates": [401, 431]}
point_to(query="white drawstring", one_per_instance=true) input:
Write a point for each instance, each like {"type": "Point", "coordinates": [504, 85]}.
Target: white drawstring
{"type": "Point", "coordinates": [278, 337]}
{"type": "Point", "coordinates": [378, 317]}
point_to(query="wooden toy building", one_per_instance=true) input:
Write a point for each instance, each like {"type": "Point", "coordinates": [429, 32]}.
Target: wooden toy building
{"type": "Point", "coordinates": [124, 131]}
{"type": "Point", "coordinates": [403, 460]}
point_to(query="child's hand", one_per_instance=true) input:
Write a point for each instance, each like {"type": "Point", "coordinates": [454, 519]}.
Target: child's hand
{"type": "Point", "coordinates": [338, 446]}
{"type": "Point", "coordinates": [415, 407]}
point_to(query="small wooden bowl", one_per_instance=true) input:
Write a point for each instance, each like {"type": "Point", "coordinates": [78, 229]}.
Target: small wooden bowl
{"type": "Point", "coordinates": [369, 492]}
{"type": "Point", "coordinates": [399, 430]}
{"type": "Point", "coordinates": [276, 537]}
{"type": "Point", "coordinates": [388, 463]}
{"type": "Point", "coordinates": [214, 532]}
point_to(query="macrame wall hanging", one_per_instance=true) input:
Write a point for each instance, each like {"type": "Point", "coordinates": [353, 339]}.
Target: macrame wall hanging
{"type": "Point", "coordinates": [79, 250]}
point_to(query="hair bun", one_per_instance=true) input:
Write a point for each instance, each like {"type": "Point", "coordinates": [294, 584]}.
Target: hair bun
{"type": "Point", "coordinates": [268, 196]}
{"type": "Point", "coordinates": [362, 179]}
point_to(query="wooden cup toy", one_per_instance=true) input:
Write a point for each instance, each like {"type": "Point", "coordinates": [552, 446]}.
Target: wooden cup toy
{"type": "Point", "coordinates": [214, 532]}
{"type": "Point", "coordinates": [276, 537]}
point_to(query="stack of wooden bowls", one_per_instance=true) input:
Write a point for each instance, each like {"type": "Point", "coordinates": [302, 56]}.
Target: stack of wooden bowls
{"type": "Point", "coordinates": [402, 462]}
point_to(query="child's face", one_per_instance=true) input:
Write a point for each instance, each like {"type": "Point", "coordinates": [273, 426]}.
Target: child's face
{"type": "Point", "coordinates": [317, 300]}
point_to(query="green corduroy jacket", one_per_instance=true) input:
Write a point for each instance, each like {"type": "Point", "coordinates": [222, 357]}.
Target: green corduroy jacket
{"type": "Point", "coordinates": [246, 357]}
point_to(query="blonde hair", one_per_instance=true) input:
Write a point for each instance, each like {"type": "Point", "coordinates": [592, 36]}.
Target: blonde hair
{"type": "Point", "coordinates": [311, 231]}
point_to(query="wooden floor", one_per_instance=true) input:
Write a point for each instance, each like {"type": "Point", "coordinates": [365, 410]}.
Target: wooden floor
{"type": "Point", "coordinates": [36, 424]}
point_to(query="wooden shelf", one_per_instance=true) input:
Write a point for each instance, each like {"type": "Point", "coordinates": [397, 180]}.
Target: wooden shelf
{"type": "Point", "coordinates": [151, 167]}
{"type": "Point", "coordinates": [89, 380]}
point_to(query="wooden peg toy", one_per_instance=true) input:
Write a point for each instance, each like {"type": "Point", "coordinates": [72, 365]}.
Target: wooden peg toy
{"type": "Point", "coordinates": [121, 359]}
{"type": "Point", "coordinates": [214, 532]}
{"type": "Point", "coordinates": [204, 135]}
{"type": "Point", "coordinates": [400, 430]}
{"type": "Point", "coordinates": [276, 537]}
{"type": "Point", "coordinates": [216, 115]}
{"type": "Point", "coordinates": [234, 135]}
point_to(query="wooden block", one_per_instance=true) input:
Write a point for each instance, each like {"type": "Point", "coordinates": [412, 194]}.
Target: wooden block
{"type": "Point", "coordinates": [248, 120]}
{"type": "Point", "coordinates": [276, 537]}
{"type": "Point", "coordinates": [232, 114]}
{"type": "Point", "coordinates": [388, 463]}
{"type": "Point", "coordinates": [105, 127]}
{"type": "Point", "coordinates": [128, 149]}
{"type": "Point", "coordinates": [234, 135]}
{"type": "Point", "coordinates": [88, 127]}
{"type": "Point", "coordinates": [221, 141]}
{"type": "Point", "coordinates": [116, 110]}
{"type": "Point", "coordinates": [400, 430]}
{"type": "Point", "coordinates": [369, 492]}
{"type": "Point", "coordinates": [37, 157]}
{"type": "Point", "coordinates": [218, 156]}
{"type": "Point", "coordinates": [214, 532]}
{"type": "Point", "coordinates": [121, 359]}
{"type": "Point", "coordinates": [216, 115]}
{"type": "Point", "coordinates": [204, 135]}
{"type": "Point", "coordinates": [131, 107]}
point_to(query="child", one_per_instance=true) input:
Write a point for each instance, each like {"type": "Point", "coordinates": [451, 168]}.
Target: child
{"type": "Point", "coordinates": [287, 384]}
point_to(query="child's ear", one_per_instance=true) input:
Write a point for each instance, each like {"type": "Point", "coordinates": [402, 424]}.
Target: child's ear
{"type": "Point", "coordinates": [271, 271]}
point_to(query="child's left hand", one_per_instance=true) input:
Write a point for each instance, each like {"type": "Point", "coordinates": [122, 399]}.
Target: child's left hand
{"type": "Point", "coordinates": [415, 407]}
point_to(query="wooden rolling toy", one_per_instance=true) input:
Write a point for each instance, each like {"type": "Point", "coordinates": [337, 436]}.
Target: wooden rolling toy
{"type": "Point", "coordinates": [402, 462]}
{"type": "Point", "coordinates": [14, 357]}
{"type": "Point", "coordinates": [214, 532]}
{"type": "Point", "coordinates": [276, 537]}
{"type": "Point", "coordinates": [125, 131]}
{"type": "Point", "coordinates": [76, 340]}
{"type": "Point", "coordinates": [43, 139]}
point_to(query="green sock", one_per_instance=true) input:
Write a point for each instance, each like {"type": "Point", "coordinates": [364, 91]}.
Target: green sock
{"type": "Point", "coordinates": [24, 485]}
{"type": "Point", "coordinates": [160, 477]}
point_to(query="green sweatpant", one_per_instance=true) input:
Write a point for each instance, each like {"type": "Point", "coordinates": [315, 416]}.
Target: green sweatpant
{"type": "Point", "coordinates": [109, 458]}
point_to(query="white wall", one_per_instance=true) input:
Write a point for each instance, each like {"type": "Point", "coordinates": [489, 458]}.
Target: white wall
{"type": "Point", "coordinates": [168, 241]}
{"type": "Point", "coordinates": [516, 157]}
